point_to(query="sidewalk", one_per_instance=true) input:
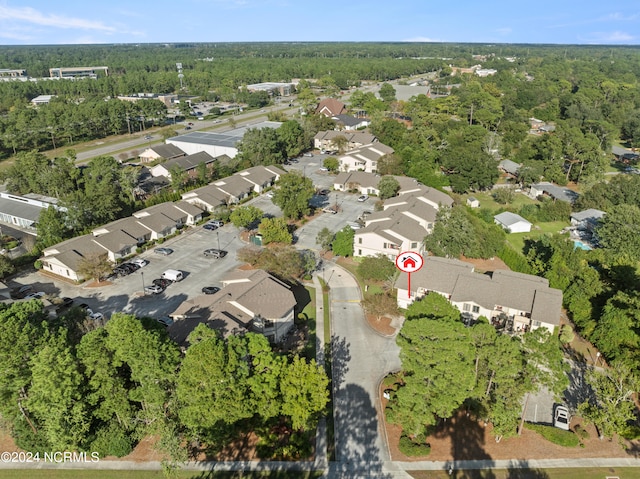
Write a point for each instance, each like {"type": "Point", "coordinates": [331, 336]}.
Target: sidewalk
{"type": "Point", "coordinates": [321, 460]}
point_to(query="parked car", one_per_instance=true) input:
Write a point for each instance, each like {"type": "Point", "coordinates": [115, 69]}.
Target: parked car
{"type": "Point", "coordinates": [140, 262]}
{"type": "Point", "coordinates": [187, 127]}
{"type": "Point", "coordinates": [309, 154]}
{"type": "Point", "coordinates": [217, 223]}
{"type": "Point", "coordinates": [271, 194]}
{"type": "Point", "coordinates": [84, 306]}
{"type": "Point", "coordinates": [66, 302]}
{"type": "Point", "coordinates": [363, 198]}
{"type": "Point", "coordinates": [153, 289]}
{"type": "Point", "coordinates": [210, 289]}
{"type": "Point", "coordinates": [163, 251]}
{"type": "Point", "coordinates": [148, 137]}
{"type": "Point", "coordinates": [215, 253]}
{"type": "Point", "coordinates": [330, 209]}
{"type": "Point", "coordinates": [324, 192]}
{"type": "Point", "coordinates": [210, 227]}
{"type": "Point", "coordinates": [561, 418]}
{"type": "Point", "coordinates": [293, 160]}
{"type": "Point", "coordinates": [190, 124]}
{"type": "Point", "coordinates": [173, 275]}
{"type": "Point", "coordinates": [22, 291]}
{"type": "Point", "coordinates": [35, 295]}
{"type": "Point", "coordinates": [165, 321]}
{"type": "Point", "coordinates": [163, 283]}
{"type": "Point", "coordinates": [324, 168]}
{"type": "Point", "coordinates": [96, 316]}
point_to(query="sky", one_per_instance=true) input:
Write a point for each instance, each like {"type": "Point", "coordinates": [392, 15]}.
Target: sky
{"type": "Point", "coordinates": [41, 22]}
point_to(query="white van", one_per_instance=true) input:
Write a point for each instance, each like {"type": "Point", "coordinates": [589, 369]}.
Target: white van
{"type": "Point", "coordinates": [173, 275]}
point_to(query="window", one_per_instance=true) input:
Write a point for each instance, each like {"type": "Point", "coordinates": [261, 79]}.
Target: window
{"type": "Point", "coordinates": [536, 323]}
{"type": "Point", "coordinates": [466, 307]}
{"type": "Point", "coordinates": [359, 240]}
{"type": "Point", "coordinates": [476, 309]}
{"type": "Point", "coordinates": [359, 252]}
{"type": "Point", "coordinates": [414, 245]}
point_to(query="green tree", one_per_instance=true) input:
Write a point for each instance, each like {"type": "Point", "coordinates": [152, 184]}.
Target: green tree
{"type": "Point", "coordinates": [331, 163]}
{"type": "Point", "coordinates": [293, 194]}
{"type": "Point", "coordinates": [245, 216]}
{"type": "Point", "coordinates": [434, 355]}
{"type": "Point", "coordinates": [433, 306]}
{"type": "Point", "coordinates": [51, 227]}
{"type": "Point", "coordinates": [380, 304]}
{"type": "Point", "coordinates": [616, 333]}
{"type": "Point", "coordinates": [6, 266]}
{"type": "Point", "coordinates": [343, 242]}
{"type": "Point", "coordinates": [292, 138]}
{"type": "Point", "coordinates": [453, 233]}
{"type": "Point", "coordinates": [96, 266]}
{"type": "Point", "coordinates": [614, 407]}
{"type": "Point", "coordinates": [213, 372]}
{"type": "Point", "coordinates": [304, 392]}
{"type": "Point", "coordinates": [377, 267]}
{"type": "Point", "coordinates": [388, 187]}
{"type": "Point", "coordinates": [324, 238]}
{"type": "Point", "coordinates": [387, 93]}
{"type": "Point", "coordinates": [151, 360]}
{"type": "Point", "coordinates": [261, 147]}
{"type": "Point", "coordinates": [619, 232]}
{"type": "Point", "coordinates": [275, 230]}
{"type": "Point", "coordinates": [56, 396]}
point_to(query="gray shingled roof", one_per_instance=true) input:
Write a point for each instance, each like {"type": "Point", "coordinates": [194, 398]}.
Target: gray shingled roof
{"type": "Point", "coordinates": [509, 219]}
{"type": "Point", "coordinates": [437, 274]}
{"type": "Point", "coordinates": [168, 151]}
{"type": "Point", "coordinates": [591, 214]}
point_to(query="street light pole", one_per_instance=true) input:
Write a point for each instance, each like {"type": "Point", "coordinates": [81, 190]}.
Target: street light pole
{"type": "Point", "coordinates": [142, 276]}
{"type": "Point", "coordinates": [218, 236]}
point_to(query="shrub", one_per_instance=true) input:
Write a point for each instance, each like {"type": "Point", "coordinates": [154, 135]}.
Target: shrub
{"type": "Point", "coordinates": [413, 447]}
{"type": "Point", "coordinates": [555, 435]}
{"type": "Point", "coordinates": [37, 264]}
{"type": "Point", "coordinates": [514, 260]}
{"type": "Point", "coordinates": [112, 441]}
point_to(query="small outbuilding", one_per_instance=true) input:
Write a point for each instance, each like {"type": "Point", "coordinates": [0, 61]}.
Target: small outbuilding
{"type": "Point", "coordinates": [473, 202]}
{"type": "Point", "coordinates": [512, 222]}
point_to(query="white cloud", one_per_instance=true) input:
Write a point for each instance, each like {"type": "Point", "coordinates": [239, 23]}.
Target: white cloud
{"type": "Point", "coordinates": [14, 36]}
{"type": "Point", "coordinates": [504, 30]}
{"type": "Point", "coordinates": [610, 37]}
{"type": "Point", "coordinates": [30, 15]}
{"type": "Point", "coordinates": [421, 39]}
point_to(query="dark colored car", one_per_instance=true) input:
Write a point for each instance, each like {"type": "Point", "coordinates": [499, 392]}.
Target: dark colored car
{"type": "Point", "coordinates": [84, 306]}
{"type": "Point", "coordinates": [215, 253]}
{"type": "Point", "coordinates": [210, 227]}
{"type": "Point", "coordinates": [66, 302]}
{"type": "Point", "coordinates": [323, 192]}
{"type": "Point", "coordinates": [163, 283]}
{"type": "Point", "coordinates": [22, 291]}
{"type": "Point", "coordinates": [210, 289]}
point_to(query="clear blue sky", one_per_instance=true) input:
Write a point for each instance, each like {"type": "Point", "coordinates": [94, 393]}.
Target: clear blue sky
{"type": "Point", "coordinates": [29, 22]}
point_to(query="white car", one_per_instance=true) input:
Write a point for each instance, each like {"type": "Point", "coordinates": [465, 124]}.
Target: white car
{"type": "Point", "coordinates": [270, 194]}
{"type": "Point", "coordinates": [96, 316]}
{"type": "Point", "coordinates": [561, 418]}
{"type": "Point", "coordinates": [140, 262]}
{"type": "Point", "coordinates": [363, 198]}
{"type": "Point", "coordinates": [324, 168]}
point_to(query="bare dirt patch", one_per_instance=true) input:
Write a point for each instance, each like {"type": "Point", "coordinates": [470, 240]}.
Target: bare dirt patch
{"type": "Point", "coordinates": [382, 326]}
{"type": "Point", "coordinates": [485, 265]}
{"type": "Point", "coordinates": [465, 438]}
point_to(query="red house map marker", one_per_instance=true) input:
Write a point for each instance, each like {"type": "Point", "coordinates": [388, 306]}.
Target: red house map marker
{"type": "Point", "coordinates": [409, 262]}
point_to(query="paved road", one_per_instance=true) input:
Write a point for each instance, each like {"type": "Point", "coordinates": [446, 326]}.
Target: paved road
{"type": "Point", "coordinates": [360, 359]}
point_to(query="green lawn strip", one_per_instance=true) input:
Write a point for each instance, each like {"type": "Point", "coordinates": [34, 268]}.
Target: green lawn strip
{"type": "Point", "coordinates": [555, 435]}
{"type": "Point", "coordinates": [487, 201]}
{"type": "Point", "coordinates": [309, 313]}
{"type": "Point", "coordinates": [568, 473]}
{"type": "Point", "coordinates": [331, 450]}
{"type": "Point", "coordinates": [117, 474]}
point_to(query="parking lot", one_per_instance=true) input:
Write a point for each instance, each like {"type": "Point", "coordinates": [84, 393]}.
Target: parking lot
{"type": "Point", "coordinates": [127, 293]}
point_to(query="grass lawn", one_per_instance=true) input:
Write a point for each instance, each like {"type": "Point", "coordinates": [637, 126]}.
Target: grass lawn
{"type": "Point", "coordinates": [487, 201]}
{"type": "Point", "coordinates": [569, 473]}
{"type": "Point", "coordinates": [309, 312]}
{"type": "Point", "coordinates": [516, 240]}
{"type": "Point", "coordinates": [91, 474]}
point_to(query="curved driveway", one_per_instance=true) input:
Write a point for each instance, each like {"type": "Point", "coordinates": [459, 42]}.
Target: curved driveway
{"type": "Point", "coordinates": [360, 358]}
